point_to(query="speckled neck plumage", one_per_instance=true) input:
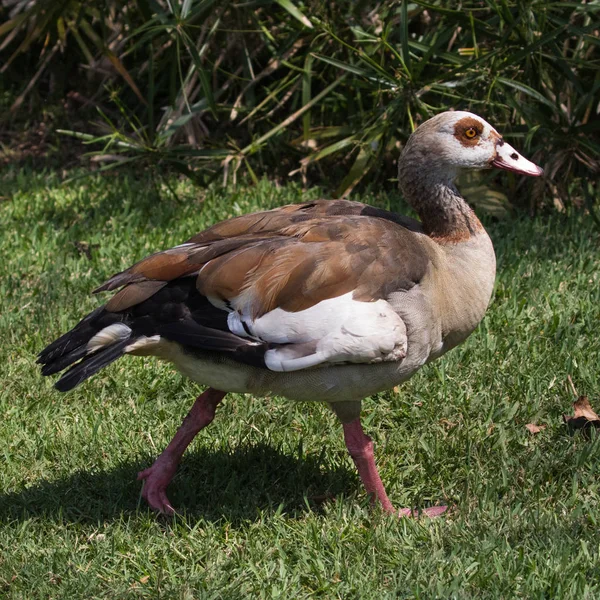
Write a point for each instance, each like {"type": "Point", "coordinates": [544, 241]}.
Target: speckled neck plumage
{"type": "Point", "coordinates": [445, 214]}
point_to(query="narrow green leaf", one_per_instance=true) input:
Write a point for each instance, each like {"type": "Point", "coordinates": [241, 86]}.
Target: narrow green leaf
{"type": "Point", "coordinates": [345, 66]}
{"type": "Point", "coordinates": [150, 89]}
{"type": "Point", "coordinates": [83, 46]}
{"type": "Point", "coordinates": [202, 76]}
{"type": "Point", "coordinates": [295, 12]}
{"type": "Point", "coordinates": [77, 134]}
{"type": "Point", "coordinates": [404, 36]}
{"type": "Point", "coordinates": [253, 146]}
{"type": "Point", "coordinates": [251, 171]}
{"type": "Point", "coordinates": [273, 96]}
{"type": "Point", "coordinates": [358, 170]}
{"type": "Point", "coordinates": [322, 133]}
{"type": "Point", "coordinates": [180, 121]}
{"type": "Point", "coordinates": [593, 7]}
{"type": "Point", "coordinates": [517, 57]}
{"type": "Point", "coordinates": [529, 91]}
{"type": "Point", "coordinates": [377, 75]}
{"type": "Point", "coordinates": [196, 153]}
{"type": "Point", "coordinates": [61, 29]}
{"type": "Point", "coordinates": [306, 93]}
{"type": "Point", "coordinates": [331, 149]}
{"type": "Point", "coordinates": [460, 14]}
{"type": "Point", "coordinates": [447, 56]}
{"type": "Point", "coordinates": [185, 9]}
{"type": "Point", "coordinates": [108, 167]}
{"type": "Point", "coordinates": [9, 25]}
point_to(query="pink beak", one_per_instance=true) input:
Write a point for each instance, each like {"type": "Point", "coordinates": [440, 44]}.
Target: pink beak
{"type": "Point", "coordinates": [509, 159]}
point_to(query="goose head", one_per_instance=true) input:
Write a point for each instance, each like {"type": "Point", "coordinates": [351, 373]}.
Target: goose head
{"type": "Point", "coordinates": [454, 141]}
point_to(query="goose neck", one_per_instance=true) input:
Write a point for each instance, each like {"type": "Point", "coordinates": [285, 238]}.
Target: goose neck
{"type": "Point", "coordinates": [445, 214]}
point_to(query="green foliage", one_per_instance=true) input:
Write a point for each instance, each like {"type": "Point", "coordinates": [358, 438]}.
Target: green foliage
{"type": "Point", "coordinates": [272, 506]}
{"type": "Point", "coordinates": [63, 31]}
{"type": "Point", "coordinates": [333, 89]}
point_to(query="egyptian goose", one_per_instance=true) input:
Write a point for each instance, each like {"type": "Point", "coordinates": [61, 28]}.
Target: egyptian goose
{"type": "Point", "coordinates": [328, 300]}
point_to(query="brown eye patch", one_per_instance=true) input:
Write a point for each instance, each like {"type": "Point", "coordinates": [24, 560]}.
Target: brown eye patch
{"type": "Point", "coordinates": [467, 131]}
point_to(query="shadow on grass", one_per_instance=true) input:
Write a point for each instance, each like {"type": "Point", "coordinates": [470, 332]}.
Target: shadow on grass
{"type": "Point", "coordinates": [95, 199]}
{"type": "Point", "coordinates": [237, 485]}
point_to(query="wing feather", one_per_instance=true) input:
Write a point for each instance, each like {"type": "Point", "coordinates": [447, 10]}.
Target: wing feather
{"type": "Point", "coordinates": [291, 259]}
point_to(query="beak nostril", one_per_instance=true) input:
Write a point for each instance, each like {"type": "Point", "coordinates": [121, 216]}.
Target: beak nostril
{"type": "Point", "coordinates": [509, 159]}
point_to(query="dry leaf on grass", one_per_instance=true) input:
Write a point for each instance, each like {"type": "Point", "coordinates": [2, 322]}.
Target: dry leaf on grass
{"type": "Point", "coordinates": [533, 428]}
{"type": "Point", "coordinates": [584, 416]}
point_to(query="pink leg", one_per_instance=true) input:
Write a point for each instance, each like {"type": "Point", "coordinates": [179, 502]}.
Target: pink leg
{"type": "Point", "coordinates": [360, 448]}
{"type": "Point", "coordinates": [158, 476]}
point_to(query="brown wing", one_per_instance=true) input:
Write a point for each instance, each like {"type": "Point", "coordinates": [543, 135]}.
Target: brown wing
{"type": "Point", "coordinates": [274, 220]}
{"type": "Point", "coordinates": [291, 258]}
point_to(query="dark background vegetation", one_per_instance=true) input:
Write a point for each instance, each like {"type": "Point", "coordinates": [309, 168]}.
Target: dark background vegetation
{"type": "Point", "coordinates": [322, 92]}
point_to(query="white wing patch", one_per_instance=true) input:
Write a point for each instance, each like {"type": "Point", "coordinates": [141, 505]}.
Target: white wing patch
{"type": "Point", "coordinates": [143, 343]}
{"type": "Point", "coordinates": [116, 332]}
{"type": "Point", "coordinates": [335, 330]}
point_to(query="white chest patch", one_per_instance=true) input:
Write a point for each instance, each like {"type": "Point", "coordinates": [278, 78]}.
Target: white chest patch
{"type": "Point", "coordinates": [335, 330]}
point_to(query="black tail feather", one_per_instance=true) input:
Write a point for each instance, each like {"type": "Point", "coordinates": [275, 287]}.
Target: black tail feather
{"type": "Point", "coordinates": [62, 362]}
{"type": "Point", "coordinates": [77, 337]}
{"type": "Point", "coordinates": [73, 346]}
{"type": "Point", "coordinates": [177, 312]}
{"type": "Point", "coordinates": [90, 365]}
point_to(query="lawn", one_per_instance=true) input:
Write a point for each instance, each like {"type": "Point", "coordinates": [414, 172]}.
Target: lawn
{"type": "Point", "coordinates": [271, 506]}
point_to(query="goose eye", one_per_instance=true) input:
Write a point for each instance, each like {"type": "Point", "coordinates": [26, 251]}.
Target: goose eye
{"type": "Point", "coordinates": [470, 133]}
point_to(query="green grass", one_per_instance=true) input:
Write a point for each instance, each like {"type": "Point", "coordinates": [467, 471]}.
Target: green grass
{"type": "Point", "coordinates": [271, 504]}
